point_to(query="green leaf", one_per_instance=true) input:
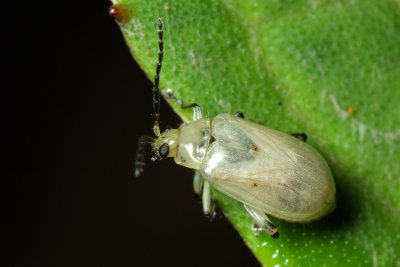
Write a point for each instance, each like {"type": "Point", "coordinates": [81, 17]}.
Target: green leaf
{"type": "Point", "coordinates": [327, 68]}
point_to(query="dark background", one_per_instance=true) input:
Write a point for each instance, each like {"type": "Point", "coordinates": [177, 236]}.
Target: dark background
{"type": "Point", "coordinates": [78, 111]}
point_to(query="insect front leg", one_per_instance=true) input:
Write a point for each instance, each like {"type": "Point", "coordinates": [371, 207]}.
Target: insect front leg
{"type": "Point", "coordinates": [262, 220]}
{"type": "Point", "coordinates": [198, 183]}
{"type": "Point", "coordinates": [209, 204]}
{"type": "Point", "coordinates": [196, 108]}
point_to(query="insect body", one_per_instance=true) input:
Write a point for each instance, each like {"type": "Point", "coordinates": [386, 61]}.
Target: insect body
{"type": "Point", "coordinates": [270, 172]}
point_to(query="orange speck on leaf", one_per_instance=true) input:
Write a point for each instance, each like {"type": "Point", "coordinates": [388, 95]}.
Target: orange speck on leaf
{"type": "Point", "coordinates": [350, 110]}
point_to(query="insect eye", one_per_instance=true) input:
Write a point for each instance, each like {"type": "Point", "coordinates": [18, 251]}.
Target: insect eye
{"type": "Point", "coordinates": [164, 150]}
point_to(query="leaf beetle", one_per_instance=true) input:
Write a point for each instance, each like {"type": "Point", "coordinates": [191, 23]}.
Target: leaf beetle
{"type": "Point", "coordinates": [270, 172]}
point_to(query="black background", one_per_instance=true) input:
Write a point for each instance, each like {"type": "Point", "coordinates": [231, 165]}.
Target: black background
{"type": "Point", "coordinates": [78, 111]}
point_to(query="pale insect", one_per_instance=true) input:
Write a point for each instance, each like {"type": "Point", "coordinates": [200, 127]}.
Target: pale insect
{"type": "Point", "coordinates": [270, 172]}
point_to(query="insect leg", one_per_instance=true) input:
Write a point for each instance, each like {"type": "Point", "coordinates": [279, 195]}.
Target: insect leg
{"type": "Point", "coordinates": [196, 108]}
{"type": "Point", "coordinates": [198, 183]}
{"type": "Point", "coordinates": [262, 219]}
{"type": "Point", "coordinates": [301, 136]}
{"type": "Point", "coordinates": [239, 114]}
{"type": "Point", "coordinates": [257, 229]}
{"type": "Point", "coordinates": [209, 205]}
{"type": "Point", "coordinates": [206, 198]}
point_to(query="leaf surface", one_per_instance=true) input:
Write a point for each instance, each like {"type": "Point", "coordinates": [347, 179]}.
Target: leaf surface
{"type": "Point", "coordinates": [327, 68]}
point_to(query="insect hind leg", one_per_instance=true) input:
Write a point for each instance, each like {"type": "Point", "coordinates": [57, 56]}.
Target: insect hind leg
{"type": "Point", "coordinates": [261, 219]}
{"type": "Point", "coordinates": [196, 108]}
{"type": "Point", "coordinates": [301, 136]}
{"type": "Point", "coordinates": [239, 114]}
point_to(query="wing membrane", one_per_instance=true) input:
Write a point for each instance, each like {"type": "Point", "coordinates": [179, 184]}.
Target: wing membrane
{"type": "Point", "coordinates": [269, 170]}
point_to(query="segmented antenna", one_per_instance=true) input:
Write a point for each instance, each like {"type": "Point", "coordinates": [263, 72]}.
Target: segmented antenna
{"type": "Point", "coordinates": [156, 89]}
{"type": "Point", "coordinates": [143, 142]}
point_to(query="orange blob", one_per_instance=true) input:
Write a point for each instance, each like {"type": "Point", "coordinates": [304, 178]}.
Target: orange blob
{"type": "Point", "coordinates": [350, 110]}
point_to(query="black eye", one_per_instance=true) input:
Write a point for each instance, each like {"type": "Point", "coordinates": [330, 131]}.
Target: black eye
{"type": "Point", "coordinates": [164, 150]}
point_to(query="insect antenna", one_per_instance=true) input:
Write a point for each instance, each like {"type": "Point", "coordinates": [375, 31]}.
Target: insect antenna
{"type": "Point", "coordinates": [143, 143]}
{"type": "Point", "coordinates": [156, 89]}
{"type": "Point", "coordinates": [146, 141]}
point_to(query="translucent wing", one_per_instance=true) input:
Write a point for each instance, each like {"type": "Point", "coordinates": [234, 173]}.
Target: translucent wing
{"type": "Point", "coordinates": [268, 170]}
